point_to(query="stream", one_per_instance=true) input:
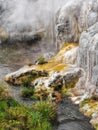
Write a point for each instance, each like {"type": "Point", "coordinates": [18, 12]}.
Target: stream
{"type": "Point", "coordinates": [70, 118]}
{"type": "Point", "coordinates": [14, 56]}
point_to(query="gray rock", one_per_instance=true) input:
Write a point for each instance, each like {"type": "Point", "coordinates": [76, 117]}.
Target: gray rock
{"type": "Point", "coordinates": [42, 82]}
{"type": "Point", "coordinates": [88, 46]}
{"type": "Point", "coordinates": [74, 18]}
{"type": "Point", "coordinates": [57, 80]}
{"type": "Point", "coordinates": [88, 58]}
{"type": "Point", "coordinates": [17, 77]}
{"type": "Point", "coordinates": [91, 18]}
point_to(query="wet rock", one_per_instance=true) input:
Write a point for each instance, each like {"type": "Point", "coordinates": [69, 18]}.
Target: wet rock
{"type": "Point", "coordinates": [25, 74]}
{"type": "Point", "coordinates": [58, 81]}
{"type": "Point", "coordinates": [94, 120]}
{"type": "Point", "coordinates": [46, 85]}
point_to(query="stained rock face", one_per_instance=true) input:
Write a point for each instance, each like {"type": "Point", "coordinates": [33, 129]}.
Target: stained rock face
{"type": "Point", "coordinates": [47, 79]}
{"type": "Point", "coordinates": [57, 78]}
{"type": "Point", "coordinates": [88, 47]}
{"type": "Point", "coordinates": [78, 21]}
{"type": "Point", "coordinates": [74, 18]}
{"type": "Point", "coordinates": [88, 58]}
{"type": "Point", "coordinates": [25, 74]}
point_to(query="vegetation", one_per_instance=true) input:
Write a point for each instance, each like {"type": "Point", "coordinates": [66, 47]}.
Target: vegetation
{"type": "Point", "coordinates": [96, 126]}
{"type": "Point", "coordinates": [14, 116]}
{"type": "Point", "coordinates": [85, 101]}
{"type": "Point", "coordinates": [47, 109]}
{"type": "Point", "coordinates": [27, 79]}
{"type": "Point", "coordinates": [27, 92]}
{"type": "Point", "coordinates": [41, 60]}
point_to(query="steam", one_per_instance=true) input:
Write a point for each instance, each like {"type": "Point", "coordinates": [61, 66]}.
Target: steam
{"type": "Point", "coordinates": [19, 16]}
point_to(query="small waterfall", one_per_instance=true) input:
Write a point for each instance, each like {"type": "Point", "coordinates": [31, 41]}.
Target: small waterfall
{"type": "Point", "coordinates": [90, 63]}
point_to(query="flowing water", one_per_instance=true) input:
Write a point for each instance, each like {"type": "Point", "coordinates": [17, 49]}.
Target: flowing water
{"type": "Point", "coordinates": [14, 56]}
{"type": "Point", "coordinates": [70, 118]}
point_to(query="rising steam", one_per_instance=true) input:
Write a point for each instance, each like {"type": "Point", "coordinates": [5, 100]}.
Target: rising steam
{"type": "Point", "coordinates": [27, 16]}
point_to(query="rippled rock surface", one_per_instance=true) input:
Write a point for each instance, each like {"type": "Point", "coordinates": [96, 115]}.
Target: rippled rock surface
{"type": "Point", "coordinates": [77, 21]}
{"type": "Point", "coordinates": [74, 18]}
{"type": "Point", "coordinates": [88, 59]}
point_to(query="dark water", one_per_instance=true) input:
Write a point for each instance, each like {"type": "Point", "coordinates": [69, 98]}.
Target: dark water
{"type": "Point", "coordinates": [70, 118]}
{"type": "Point", "coordinates": [14, 56]}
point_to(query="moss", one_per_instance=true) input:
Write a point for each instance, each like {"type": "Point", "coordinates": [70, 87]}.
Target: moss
{"type": "Point", "coordinates": [85, 101]}
{"type": "Point", "coordinates": [52, 66]}
{"type": "Point", "coordinates": [96, 126]}
{"type": "Point", "coordinates": [66, 47]}
{"type": "Point", "coordinates": [27, 92]}
{"type": "Point", "coordinates": [89, 106]}
{"type": "Point", "coordinates": [5, 91]}
{"type": "Point", "coordinates": [56, 63]}
{"type": "Point", "coordinates": [42, 92]}
{"type": "Point", "coordinates": [41, 60]}
{"type": "Point", "coordinates": [59, 67]}
{"type": "Point", "coordinates": [26, 80]}
{"type": "Point", "coordinates": [69, 46]}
